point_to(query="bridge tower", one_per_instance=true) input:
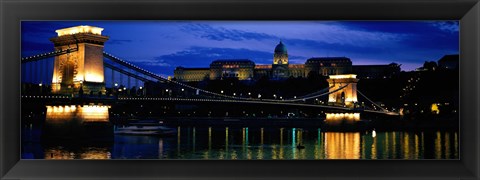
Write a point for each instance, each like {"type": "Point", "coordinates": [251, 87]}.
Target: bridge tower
{"type": "Point", "coordinates": [347, 96]}
{"type": "Point", "coordinates": [81, 68]}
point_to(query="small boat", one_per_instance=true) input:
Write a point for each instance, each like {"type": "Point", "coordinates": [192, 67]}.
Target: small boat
{"type": "Point", "coordinates": [145, 130]}
{"type": "Point", "coordinates": [299, 146]}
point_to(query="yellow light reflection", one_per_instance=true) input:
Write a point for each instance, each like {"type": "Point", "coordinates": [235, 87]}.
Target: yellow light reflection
{"type": "Point", "coordinates": [261, 136]}
{"type": "Point", "coordinates": [226, 140]}
{"type": "Point", "coordinates": [455, 144]}
{"type": "Point", "coordinates": [209, 138]}
{"type": "Point", "coordinates": [394, 144]}
{"type": "Point", "coordinates": [438, 146]}
{"type": "Point", "coordinates": [260, 149]}
{"type": "Point", "coordinates": [447, 145]}
{"type": "Point", "coordinates": [416, 147]}
{"type": "Point", "coordinates": [281, 144]}
{"type": "Point", "coordinates": [406, 146]}
{"type": "Point", "coordinates": [193, 139]}
{"type": "Point", "coordinates": [386, 146]}
{"type": "Point", "coordinates": [160, 148]}
{"type": "Point", "coordinates": [90, 153]}
{"type": "Point", "coordinates": [178, 140]}
{"type": "Point", "coordinates": [374, 148]}
{"type": "Point", "coordinates": [342, 145]}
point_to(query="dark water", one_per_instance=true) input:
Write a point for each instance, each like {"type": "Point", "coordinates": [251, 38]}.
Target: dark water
{"type": "Point", "coordinates": [252, 143]}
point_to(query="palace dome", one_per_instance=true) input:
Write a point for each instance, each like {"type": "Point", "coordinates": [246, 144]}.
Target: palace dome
{"type": "Point", "coordinates": [281, 48]}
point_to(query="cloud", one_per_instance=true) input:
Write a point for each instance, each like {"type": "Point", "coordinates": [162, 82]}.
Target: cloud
{"type": "Point", "coordinates": [202, 56]}
{"type": "Point", "coordinates": [150, 62]}
{"type": "Point", "coordinates": [447, 26]}
{"type": "Point", "coordinates": [157, 64]}
{"type": "Point", "coordinates": [119, 41]}
{"type": "Point", "coordinates": [220, 34]}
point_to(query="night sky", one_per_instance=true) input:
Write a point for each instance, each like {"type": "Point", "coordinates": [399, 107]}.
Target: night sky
{"type": "Point", "coordinates": [160, 46]}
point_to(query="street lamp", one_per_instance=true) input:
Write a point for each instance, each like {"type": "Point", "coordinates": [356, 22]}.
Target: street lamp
{"type": "Point", "coordinates": [221, 91]}
{"type": "Point", "coordinates": [116, 84]}
{"type": "Point", "coordinates": [259, 95]}
{"type": "Point", "coordinates": [183, 89]}
{"type": "Point", "coordinates": [141, 87]}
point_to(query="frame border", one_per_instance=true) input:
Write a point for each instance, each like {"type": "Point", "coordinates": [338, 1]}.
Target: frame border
{"type": "Point", "coordinates": [12, 12]}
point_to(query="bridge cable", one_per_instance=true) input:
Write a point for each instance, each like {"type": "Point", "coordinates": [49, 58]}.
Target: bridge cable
{"type": "Point", "coordinates": [372, 101]}
{"type": "Point", "coordinates": [47, 55]}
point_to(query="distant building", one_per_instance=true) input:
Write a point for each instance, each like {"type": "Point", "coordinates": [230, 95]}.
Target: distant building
{"type": "Point", "coordinates": [191, 74]}
{"type": "Point", "coordinates": [245, 69]}
{"type": "Point", "coordinates": [328, 65]}
{"type": "Point", "coordinates": [428, 66]}
{"type": "Point", "coordinates": [376, 71]}
{"type": "Point", "coordinates": [446, 62]}
{"type": "Point", "coordinates": [449, 61]}
{"type": "Point", "coordinates": [233, 68]}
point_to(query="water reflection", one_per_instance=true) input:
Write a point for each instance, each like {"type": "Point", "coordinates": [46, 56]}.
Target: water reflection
{"type": "Point", "coordinates": [84, 153]}
{"type": "Point", "coordinates": [255, 143]}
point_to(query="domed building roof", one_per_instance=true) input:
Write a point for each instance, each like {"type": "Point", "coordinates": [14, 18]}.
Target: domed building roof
{"type": "Point", "coordinates": [281, 48]}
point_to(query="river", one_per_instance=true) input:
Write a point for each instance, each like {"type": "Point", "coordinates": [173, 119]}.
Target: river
{"type": "Point", "coordinates": [246, 143]}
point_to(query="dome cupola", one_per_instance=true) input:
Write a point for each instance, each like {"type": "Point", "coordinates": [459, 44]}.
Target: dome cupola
{"type": "Point", "coordinates": [280, 56]}
{"type": "Point", "coordinates": [281, 48]}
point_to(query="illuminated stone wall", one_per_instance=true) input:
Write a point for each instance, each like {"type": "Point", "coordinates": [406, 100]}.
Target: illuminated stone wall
{"type": "Point", "coordinates": [243, 69]}
{"type": "Point", "coordinates": [338, 117]}
{"type": "Point", "coordinates": [82, 67]}
{"type": "Point", "coordinates": [280, 58]}
{"type": "Point", "coordinates": [345, 97]}
{"type": "Point", "coordinates": [191, 74]}
{"type": "Point", "coordinates": [77, 122]}
{"type": "Point", "coordinates": [86, 113]}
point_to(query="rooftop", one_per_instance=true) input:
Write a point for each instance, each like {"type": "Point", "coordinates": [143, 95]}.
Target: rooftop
{"type": "Point", "coordinates": [281, 48]}
{"type": "Point", "coordinates": [79, 29]}
{"type": "Point", "coordinates": [184, 68]}
{"type": "Point", "coordinates": [328, 59]}
{"type": "Point", "coordinates": [233, 61]}
{"type": "Point", "coordinates": [450, 57]}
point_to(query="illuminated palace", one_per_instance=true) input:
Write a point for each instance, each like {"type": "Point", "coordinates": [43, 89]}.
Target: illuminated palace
{"type": "Point", "coordinates": [245, 69]}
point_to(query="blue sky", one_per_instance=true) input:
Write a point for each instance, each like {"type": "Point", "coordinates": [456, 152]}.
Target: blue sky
{"type": "Point", "coordinates": [160, 46]}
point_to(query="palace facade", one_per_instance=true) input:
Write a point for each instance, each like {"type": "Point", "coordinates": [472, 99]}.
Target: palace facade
{"type": "Point", "coordinates": [245, 69]}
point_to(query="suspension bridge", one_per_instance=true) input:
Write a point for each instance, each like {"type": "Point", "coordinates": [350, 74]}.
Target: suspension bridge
{"type": "Point", "coordinates": [78, 69]}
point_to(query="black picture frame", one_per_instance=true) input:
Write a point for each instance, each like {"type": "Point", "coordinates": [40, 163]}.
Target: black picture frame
{"type": "Point", "coordinates": [12, 12]}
